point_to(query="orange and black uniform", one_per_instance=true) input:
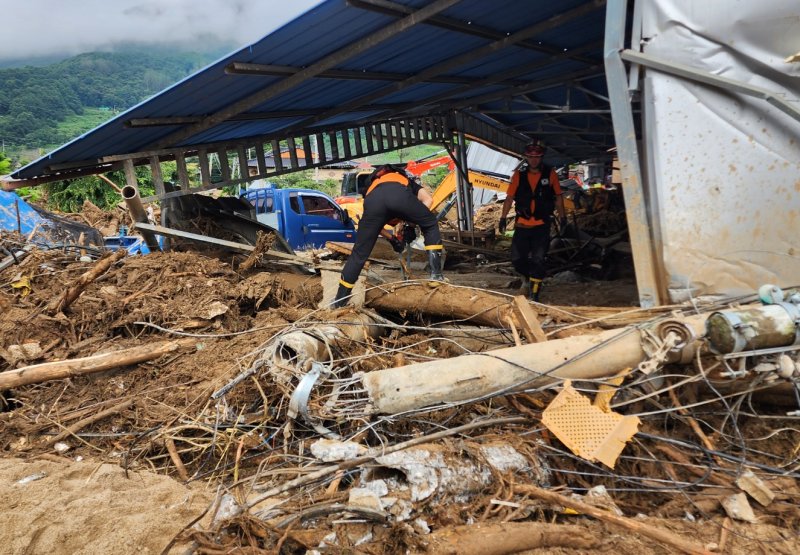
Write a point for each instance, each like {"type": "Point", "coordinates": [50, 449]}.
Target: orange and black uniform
{"type": "Point", "coordinates": [534, 191]}
{"type": "Point", "coordinates": [392, 196]}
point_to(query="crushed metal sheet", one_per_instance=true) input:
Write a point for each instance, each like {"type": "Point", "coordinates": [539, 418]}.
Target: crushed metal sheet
{"type": "Point", "coordinates": [585, 429]}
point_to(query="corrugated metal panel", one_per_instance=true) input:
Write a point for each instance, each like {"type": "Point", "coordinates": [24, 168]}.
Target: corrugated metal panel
{"type": "Point", "coordinates": [461, 43]}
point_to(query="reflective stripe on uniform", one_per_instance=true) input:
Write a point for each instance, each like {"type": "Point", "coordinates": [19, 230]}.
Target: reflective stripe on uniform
{"type": "Point", "coordinates": [392, 177]}
{"type": "Point", "coordinates": [434, 247]}
{"type": "Point", "coordinates": [345, 284]}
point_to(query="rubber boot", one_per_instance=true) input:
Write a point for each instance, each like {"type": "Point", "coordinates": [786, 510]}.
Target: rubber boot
{"type": "Point", "coordinates": [435, 261]}
{"type": "Point", "coordinates": [536, 289]}
{"type": "Point", "coordinates": [342, 296]}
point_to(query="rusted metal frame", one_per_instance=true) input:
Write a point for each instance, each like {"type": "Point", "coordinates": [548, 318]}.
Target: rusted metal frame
{"type": "Point", "coordinates": [355, 48]}
{"type": "Point", "coordinates": [408, 128]}
{"type": "Point", "coordinates": [378, 133]}
{"type": "Point", "coordinates": [357, 141]}
{"type": "Point", "coordinates": [399, 131]}
{"type": "Point", "coordinates": [332, 138]}
{"type": "Point", "coordinates": [430, 137]}
{"type": "Point", "coordinates": [224, 165]}
{"type": "Point", "coordinates": [183, 175]}
{"type": "Point", "coordinates": [309, 154]}
{"type": "Point", "coordinates": [294, 163]}
{"type": "Point", "coordinates": [370, 140]}
{"type": "Point", "coordinates": [241, 153]}
{"type": "Point", "coordinates": [457, 61]}
{"type": "Point", "coordinates": [205, 172]}
{"type": "Point", "coordinates": [321, 155]}
{"type": "Point", "coordinates": [276, 155]}
{"type": "Point", "coordinates": [268, 70]}
{"type": "Point", "coordinates": [261, 160]}
{"type": "Point", "coordinates": [348, 152]}
{"type": "Point", "coordinates": [469, 28]}
{"type": "Point", "coordinates": [157, 177]}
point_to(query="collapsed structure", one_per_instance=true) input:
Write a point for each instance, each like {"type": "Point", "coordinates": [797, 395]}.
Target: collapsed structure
{"type": "Point", "coordinates": [443, 419]}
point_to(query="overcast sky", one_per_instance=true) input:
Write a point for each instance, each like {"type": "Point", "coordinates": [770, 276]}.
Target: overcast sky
{"type": "Point", "coordinates": [35, 28]}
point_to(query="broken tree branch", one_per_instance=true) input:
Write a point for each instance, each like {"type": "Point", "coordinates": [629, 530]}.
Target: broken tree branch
{"type": "Point", "coordinates": [48, 371]}
{"type": "Point", "coordinates": [657, 534]}
{"type": "Point", "coordinates": [81, 424]}
{"type": "Point", "coordinates": [59, 304]}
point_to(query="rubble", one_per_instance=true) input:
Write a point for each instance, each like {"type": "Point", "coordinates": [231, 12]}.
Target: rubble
{"type": "Point", "coordinates": [414, 424]}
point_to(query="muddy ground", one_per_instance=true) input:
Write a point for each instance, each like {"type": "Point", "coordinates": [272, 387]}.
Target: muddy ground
{"type": "Point", "coordinates": [142, 459]}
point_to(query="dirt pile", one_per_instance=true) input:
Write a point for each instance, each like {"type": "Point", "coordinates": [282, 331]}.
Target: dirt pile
{"type": "Point", "coordinates": [224, 423]}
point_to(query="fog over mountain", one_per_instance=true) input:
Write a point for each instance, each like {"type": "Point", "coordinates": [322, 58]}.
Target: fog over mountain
{"type": "Point", "coordinates": [38, 32]}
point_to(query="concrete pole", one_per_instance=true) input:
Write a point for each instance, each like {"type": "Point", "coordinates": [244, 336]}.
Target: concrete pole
{"type": "Point", "coordinates": [587, 357]}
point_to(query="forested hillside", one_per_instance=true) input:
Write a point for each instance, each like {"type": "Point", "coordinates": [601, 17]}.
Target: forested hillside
{"type": "Point", "coordinates": [34, 100]}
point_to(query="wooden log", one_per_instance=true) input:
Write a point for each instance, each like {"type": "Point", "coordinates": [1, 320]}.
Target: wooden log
{"type": "Point", "coordinates": [443, 300]}
{"type": "Point", "coordinates": [61, 369]}
{"type": "Point", "coordinates": [529, 321]}
{"type": "Point", "coordinates": [507, 537]}
{"type": "Point", "coordinates": [72, 292]}
{"type": "Point", "coordinates": [660, 535]}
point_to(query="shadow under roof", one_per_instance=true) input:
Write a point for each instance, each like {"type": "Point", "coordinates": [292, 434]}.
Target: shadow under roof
{"type": "Point", "coordinates": [500, 72]}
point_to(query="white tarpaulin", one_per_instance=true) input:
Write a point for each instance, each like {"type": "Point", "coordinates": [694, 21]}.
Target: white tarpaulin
{"type": "Point", "coordinates": [723, 168]}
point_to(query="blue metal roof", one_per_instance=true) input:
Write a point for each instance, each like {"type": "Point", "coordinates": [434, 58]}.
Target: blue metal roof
{"type": "Point", "coordinates": [536, 86]}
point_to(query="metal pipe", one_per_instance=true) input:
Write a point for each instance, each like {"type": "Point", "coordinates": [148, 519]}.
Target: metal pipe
{"type": "Point", "coordinates": [650, 293]}
{"type": "Point", "coordinates": [734, 331]}
{"type": "Point", "coordinates": [134, 203]}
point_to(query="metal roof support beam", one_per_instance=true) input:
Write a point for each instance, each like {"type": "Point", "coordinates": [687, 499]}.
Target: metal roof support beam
{"type": "Point", "coordinates": [650, 293]}
{"type": "Point", "coordinates": [495, 79]}
{"type": "Point", "coordinates": [587, 73]}
{"type": "Point", "coordinates": [374, 138]}
{"type": "Point", "coordinates": [457, 61]}
{"type": "Point", "coordinates": [322, 65]}
{"type": "Point", "coordinates": [468, 28]}
{"type": "Point", "coordinates": [688, 72]}
{"type": "Point", "coordinates": [240, 68]}
{"type": "Point", "coordinates": [483, 131]}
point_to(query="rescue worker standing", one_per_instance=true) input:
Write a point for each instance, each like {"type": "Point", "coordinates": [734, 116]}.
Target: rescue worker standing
{"type": "Point", "coordinates": [536, 194]}
{"type": "Point", "coordinates": [391, 195]}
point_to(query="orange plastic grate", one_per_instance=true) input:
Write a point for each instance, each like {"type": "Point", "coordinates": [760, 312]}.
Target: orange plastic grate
{"type": "Point", "coordinates": [585, 429]}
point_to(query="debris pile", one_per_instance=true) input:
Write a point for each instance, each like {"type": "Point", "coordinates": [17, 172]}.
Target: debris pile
{"type": "Point", "coordinates": [444, 419]}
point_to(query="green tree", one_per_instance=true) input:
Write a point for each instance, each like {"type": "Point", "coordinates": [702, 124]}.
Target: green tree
{"type": "Point", "coordinates": [5, 164]}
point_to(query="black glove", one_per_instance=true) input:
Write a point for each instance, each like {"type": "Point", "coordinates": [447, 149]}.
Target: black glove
{"type": "Point", "coordinates": [501, 225]}
{"type": "Point", "coordinates": [409, 233]}
{"type": "Point", "coordinates": [397, 244]}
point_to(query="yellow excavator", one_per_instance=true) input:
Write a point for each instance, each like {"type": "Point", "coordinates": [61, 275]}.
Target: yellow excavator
{"type": "Point", "coordinates": [355, 183]}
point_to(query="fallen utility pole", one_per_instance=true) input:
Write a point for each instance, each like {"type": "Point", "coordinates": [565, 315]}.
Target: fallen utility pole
{"type": "Point", "coordinates": [475, 376]}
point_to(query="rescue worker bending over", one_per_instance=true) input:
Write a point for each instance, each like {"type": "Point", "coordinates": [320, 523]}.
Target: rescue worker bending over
{"type": "Point", "coordinates": [391, 196]}
{"type": "Point", "coordinates": [536, 193]}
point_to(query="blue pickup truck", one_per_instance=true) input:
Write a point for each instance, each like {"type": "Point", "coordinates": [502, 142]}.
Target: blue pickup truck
{"type": "Point", "coordinates": [304, 217]}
